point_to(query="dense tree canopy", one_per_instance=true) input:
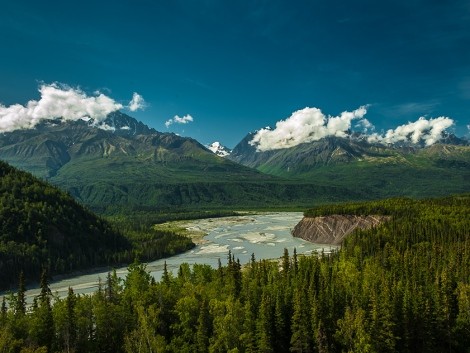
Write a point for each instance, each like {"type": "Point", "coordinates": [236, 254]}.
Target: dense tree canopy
{"type": "Point", "coordinates": [401, 287]}
{"type": "Point", "coordinates": [43, 227]}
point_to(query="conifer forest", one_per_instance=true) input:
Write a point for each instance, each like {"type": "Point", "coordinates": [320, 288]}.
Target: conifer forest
{"type": "Point", "coordinates": [403, 286]}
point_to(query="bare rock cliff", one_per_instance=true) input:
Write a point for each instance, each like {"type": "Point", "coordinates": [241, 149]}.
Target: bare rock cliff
{"type": "Point", "coordinates": [333, 229]}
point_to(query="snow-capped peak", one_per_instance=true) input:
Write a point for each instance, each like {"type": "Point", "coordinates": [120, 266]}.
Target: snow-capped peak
{"type": "Point", "coordinates": [219, 149]}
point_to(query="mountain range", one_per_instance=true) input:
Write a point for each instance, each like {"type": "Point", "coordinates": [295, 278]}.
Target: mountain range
{"type": "Point", "coordinates": [53, 147]}
{"type": "Point", "coordinates": [379, 169]}
{"type": "Point", "coordinates": [328, 151]}
{"type": "Point", "coordinates": [123, 164]}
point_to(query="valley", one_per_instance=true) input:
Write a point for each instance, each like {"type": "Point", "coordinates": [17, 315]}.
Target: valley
{"type": "Point", "coordinates": [198, 233]}
{"type": "Point", "coordinates": [45, 229]}
{"type": "Point", "coordinates": [235, 177]}
{"type": "Point", "coordinates": [419, 253]}
{"type": "Point", "coordinates": [264, 235]}
{"type": "Point", "coordinates": [136, 177]}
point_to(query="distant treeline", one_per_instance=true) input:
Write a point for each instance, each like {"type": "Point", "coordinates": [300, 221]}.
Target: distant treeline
{"type": "Point", "coordinates": [194, 196]}
{"type": "Point", "coordinates": [401, 287]}
{"type": "Point", "coordinates": [140, 220]}
{"type": "Point", "coordinates": [397, 207]}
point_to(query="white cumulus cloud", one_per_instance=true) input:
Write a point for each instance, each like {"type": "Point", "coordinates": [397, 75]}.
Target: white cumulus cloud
{"type": "Point", "coordinates": [427, 130]}
{"type": "Point", "coordinates": [179, 120]}
{"type": "Point", "coordinates": [137, 102]}
{"type": "Point", "coordinates": [57, 101]}
{"type": "Point", "coordinates": [305, 125]}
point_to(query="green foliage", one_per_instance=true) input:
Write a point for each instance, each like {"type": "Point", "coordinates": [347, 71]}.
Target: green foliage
{"type": "Point", "coordinates": [144, 220]}
{"type": "Point", "coordinates": [398, 208]}
{"type": "Point", "coordinates": [126, 195]}
{"type": "Point", "coordinates": [374, 179]}
{"type": "Point", "coordinates": [43, 227]}
{"type": "Point", "coordinates": [401, 287]}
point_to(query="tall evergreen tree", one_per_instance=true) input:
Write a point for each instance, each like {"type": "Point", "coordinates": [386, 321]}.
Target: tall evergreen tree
{"type": "Point", "coordinates": [300, 341]}
{"type": "Point", "coordinates": [203, 328]}
{"type": "Point", "coordinates": [248, 337]}
{"type": "Point", "coordinates": [281, 323]}
{"type": "Point", "coordinates": [20, 297]}
{"type": "Point", "coordinates": [266, 325]}
{"type": "Point", "coordinates": [71, 322]}
{"type": "Point", "coordinates": [165, 275]}
{"type": "Point", "coordinates": [43, 331]}
{"type": "Point", "coordinates": [286, 262]}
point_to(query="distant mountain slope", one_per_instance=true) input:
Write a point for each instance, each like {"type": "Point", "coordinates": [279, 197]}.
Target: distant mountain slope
{"type": "Point", "coordinates": [47, 149]}
{"type": "Point", "coordinates": [124, 164]}
{"type": "Point", "coordinates": [42, 227]}
{"type": "Point", "coordinates": [376, 169]}
{"type": "Point", "coordinates": [295, 160]}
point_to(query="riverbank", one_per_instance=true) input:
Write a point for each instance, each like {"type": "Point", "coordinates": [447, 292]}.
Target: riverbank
{"type": "Point", "coordinates": [265, 235]}
{"type": "Point", "coordinates": [197, 229]}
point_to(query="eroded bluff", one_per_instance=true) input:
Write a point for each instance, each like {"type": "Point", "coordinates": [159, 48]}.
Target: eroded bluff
{"type": "Point", "coordinates": [333, 229]}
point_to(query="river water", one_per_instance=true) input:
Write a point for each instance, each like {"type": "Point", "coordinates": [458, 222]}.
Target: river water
{"type": "Point", "coordinates": [264, 235]}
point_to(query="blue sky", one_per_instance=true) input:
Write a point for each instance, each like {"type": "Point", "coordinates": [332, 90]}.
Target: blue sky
{"type": "Point", "coordinates": [237, 66]}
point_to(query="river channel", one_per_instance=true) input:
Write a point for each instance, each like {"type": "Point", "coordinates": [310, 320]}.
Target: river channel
{"type": "Point", "coordinates": [265, 235]}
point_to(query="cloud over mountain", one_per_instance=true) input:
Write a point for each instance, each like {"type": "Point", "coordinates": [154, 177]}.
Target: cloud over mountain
{"type": "Point", "coordinates": [306, 125]}
{"type": "Point", "coordinates": [310, 124]}
{"type": "Point", "coordinates": [427, 130]}
{"type": "Point", "coordinates": [60, 101]}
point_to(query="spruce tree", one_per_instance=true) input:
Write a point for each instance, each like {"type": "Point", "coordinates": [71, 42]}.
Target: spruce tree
{"type": "Point", "coordinates": [300, 340]}
{"type": "Point", "coordinates": [71, 321]}
{"type": "Point", "coordinates": [285, 262]}
{"type": "Point", "coordinates": [165, 275]}
{"type": "Point", "coordinates": [20, 298]}
{"type": "Point", "coordinates": [265, 325]}
{"type": "Point", "coordinates": [42, 330]}
{"type": "Point", "coordinates": [203, 330]}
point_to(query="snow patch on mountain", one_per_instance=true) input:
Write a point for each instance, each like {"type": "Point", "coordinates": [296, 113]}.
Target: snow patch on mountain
{"type": "Point", "coordinates": [219, 149]}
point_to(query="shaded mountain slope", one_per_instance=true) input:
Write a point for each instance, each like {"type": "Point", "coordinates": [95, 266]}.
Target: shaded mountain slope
{"type": "Point", "coordinates": [42, 227]}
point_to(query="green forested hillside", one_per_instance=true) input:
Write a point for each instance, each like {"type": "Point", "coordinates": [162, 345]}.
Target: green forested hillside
{"type": "Point", "coordinates": [117, 197]}
{"type": "Point", "coordinates": [401, 287]}
{"type": "Point", "coordinates": [43, 227]}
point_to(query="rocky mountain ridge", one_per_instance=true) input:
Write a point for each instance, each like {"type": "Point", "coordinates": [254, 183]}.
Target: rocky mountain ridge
{"type": "Point", "coordinates": [332, 150]}
{"type": "Point", "coordinates": [52, 145]}
{"type": "Point", "coordinates": [375, 169]}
